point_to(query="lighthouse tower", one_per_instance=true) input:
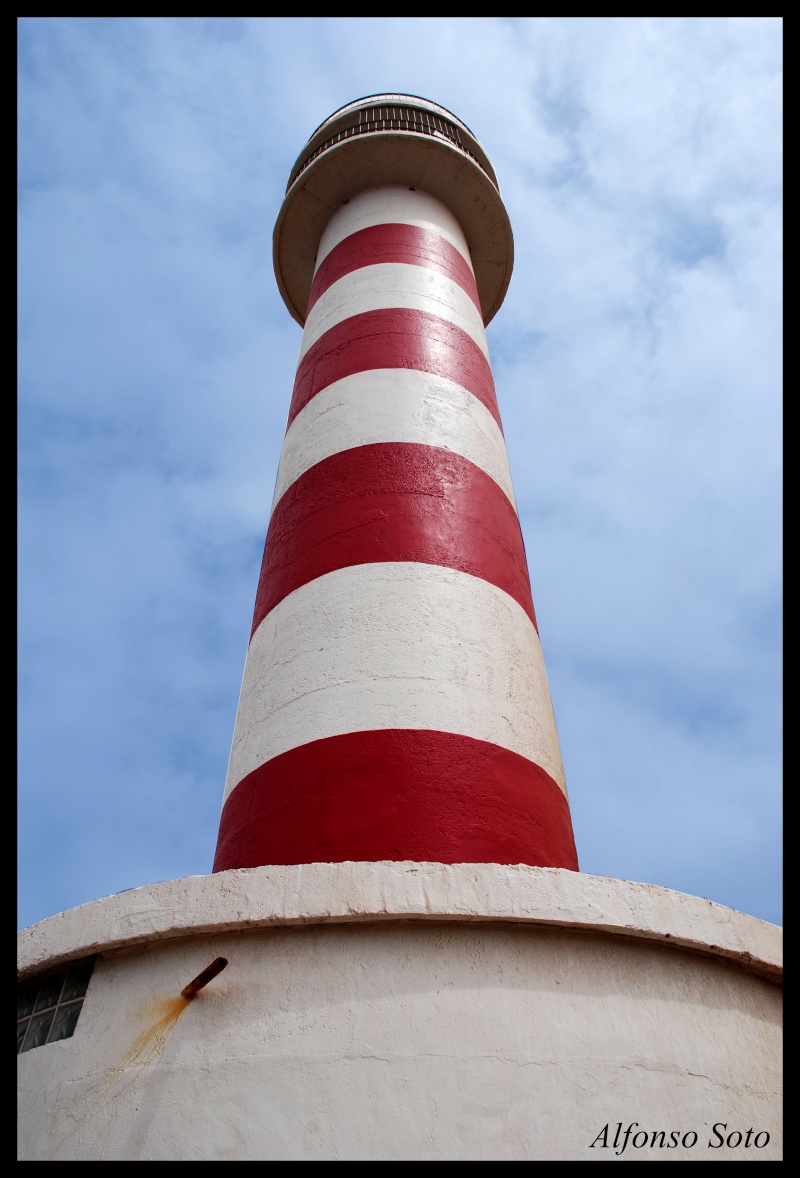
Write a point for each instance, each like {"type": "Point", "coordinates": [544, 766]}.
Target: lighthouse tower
{"type": "Point", "coordinates": [394, 703]}
{"type": "Point", "coordinates": [395, 956]}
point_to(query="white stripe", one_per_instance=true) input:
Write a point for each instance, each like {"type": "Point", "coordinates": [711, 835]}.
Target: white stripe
{"type": "Point", "coordinates": [393, 285]}
{"type": "Point", "coordinates": [393, 405]}
{"type": "Point", "coordinates": [399, 645]}
{"type": "Point", "coordinates": [393, 205]}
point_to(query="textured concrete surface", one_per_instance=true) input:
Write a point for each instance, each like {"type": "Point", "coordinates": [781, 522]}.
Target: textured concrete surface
{"type": "Point", "coordinates": [395, 645]}
{"type": "Point", "coordinates": [319, 893]}
{"type": "Point", "coordinates": [359, 1019]}
{"type": "Point", "coordinates": [393, 405]}
{"type": "Point", "coordinates": [410, 288]}
{"type": "Point", "coordinates": [400, 205]}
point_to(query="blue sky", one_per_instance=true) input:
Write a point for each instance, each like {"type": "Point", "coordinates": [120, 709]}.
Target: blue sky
{"type": "Point", "coordinates": [637, 359]}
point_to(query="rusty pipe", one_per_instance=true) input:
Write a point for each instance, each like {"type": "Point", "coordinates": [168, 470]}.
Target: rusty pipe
{"type": "Point", "coordinates": [202, 979]}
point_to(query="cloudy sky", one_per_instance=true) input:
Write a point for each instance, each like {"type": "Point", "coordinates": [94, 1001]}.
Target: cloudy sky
{"type": "Point", "coordinates": [637, 359]}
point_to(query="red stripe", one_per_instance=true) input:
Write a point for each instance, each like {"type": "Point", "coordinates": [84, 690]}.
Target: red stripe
{"type": "Point", "coordinates": [396, 794]}
{"type": "Point", "coordinates": [394, 338]}
{"type": "Point", "coordinates": [407, 244]}
{"type": "Point", "coordinates": [393, 501]}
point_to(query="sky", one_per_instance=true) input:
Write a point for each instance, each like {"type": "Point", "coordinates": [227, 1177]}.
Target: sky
{"type": "Point", "coordinates": [637, 359]}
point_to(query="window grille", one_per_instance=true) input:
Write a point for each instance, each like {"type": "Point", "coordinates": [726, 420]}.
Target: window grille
{"type": "Point", "coordinates": [48, 1007]}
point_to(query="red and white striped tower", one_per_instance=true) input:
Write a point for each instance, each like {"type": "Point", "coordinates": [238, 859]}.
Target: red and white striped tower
{"type": "Point", "coordinates": [394, 704]}
{"type": "Point", "coordinates": [395, 707]}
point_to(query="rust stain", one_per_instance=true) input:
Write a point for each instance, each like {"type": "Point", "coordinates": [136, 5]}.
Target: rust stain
{"type": "Point", "coordinates": [149, 1043]}
{"type": "Point", "coordinates": [146, 1047]}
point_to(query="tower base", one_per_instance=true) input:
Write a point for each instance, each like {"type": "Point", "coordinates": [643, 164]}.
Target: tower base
{"type": "Point", "coordinates": [409, 1011]}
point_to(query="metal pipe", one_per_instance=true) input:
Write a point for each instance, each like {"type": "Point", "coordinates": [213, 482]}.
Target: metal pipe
{"type": "Point", "coordinates": [202, 979]}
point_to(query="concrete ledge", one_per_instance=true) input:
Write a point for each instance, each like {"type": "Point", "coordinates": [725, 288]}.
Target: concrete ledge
{"type": "Point", "coordinates": [321, 893]}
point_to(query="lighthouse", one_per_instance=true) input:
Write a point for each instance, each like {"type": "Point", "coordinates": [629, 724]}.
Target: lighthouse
{"type": "Point", "coordinates": [395, 956]}
{"type": "Point", "coordinates": [394, 704]}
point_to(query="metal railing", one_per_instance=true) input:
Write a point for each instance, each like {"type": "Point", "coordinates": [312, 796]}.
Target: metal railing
{"type": "Point", "coordinates": [373, 119]}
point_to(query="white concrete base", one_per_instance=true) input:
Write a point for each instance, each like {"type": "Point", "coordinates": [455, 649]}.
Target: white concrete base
{"type": "Point", "coordinates": [394, 1011]}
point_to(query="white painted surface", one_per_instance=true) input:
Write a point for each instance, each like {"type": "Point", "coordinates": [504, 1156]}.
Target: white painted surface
{"type": "Point", "coordinates": [264, 897]}
{"type": "Point", "coordinates": [393, 405]}
{"type": "Point", "coordinates": [474, 1038]}
{"type": "Point", "coordinates": [393, 205]}
{"type": "Point", "coordinates": [396, 645]}
{"type": "Point", "coordinates": [393, 285]}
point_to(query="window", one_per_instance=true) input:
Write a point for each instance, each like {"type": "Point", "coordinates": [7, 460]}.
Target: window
{"type": "Point", "coordinates": [48, 1007]}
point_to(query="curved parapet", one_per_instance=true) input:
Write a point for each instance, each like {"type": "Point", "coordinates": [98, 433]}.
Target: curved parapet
{"type": "Point", "coordinates": [336, 893]}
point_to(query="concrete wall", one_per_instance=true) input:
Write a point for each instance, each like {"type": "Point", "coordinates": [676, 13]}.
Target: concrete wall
{"type": "Point", "coordinates": [384, 1033]}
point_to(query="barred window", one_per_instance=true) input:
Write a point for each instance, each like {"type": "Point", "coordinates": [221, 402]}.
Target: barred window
{"type": "Point", "coordinates": [48, 1007]}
